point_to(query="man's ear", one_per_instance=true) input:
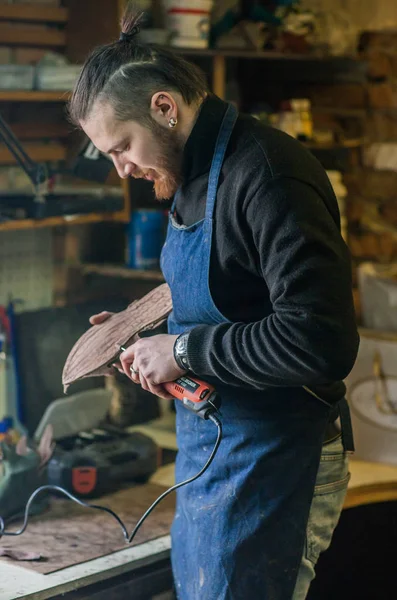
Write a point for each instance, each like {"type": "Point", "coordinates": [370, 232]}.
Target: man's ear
{"type": "Point", "coordinates": [163, 108]}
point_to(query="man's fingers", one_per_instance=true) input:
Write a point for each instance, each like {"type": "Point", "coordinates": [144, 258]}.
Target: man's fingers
{"type": "Point", "coordinates": [155, 389]}
{"type": "Point", "coordinates": [100, 317]}
{"type": "Point", "coordinates": [144, 383]}
{"type": "Point", "coordinates": [127, 360]}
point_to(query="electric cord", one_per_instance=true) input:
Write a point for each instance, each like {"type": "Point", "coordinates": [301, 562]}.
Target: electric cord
{"type": "Point", "coordinates": [128, 537]}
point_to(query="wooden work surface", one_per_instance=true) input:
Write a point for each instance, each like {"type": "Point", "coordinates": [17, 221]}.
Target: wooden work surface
{"type": "Point", "coordinates": [68, 534]}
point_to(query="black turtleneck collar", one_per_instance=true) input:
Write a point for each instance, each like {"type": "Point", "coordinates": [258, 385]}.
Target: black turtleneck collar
{"type": "Point", "coordinates": [200, 145]}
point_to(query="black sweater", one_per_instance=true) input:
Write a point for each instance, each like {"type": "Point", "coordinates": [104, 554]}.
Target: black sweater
{"type": "Point", "coordinates": [280, 270]}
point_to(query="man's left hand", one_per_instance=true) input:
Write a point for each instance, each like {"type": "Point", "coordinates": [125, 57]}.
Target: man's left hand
{"type": "Point", "coordinates": [153, 363]}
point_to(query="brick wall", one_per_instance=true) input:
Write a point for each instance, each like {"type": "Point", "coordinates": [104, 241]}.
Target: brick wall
{"type": "Point", "coordinates": [363, 15]}
{"type": "Point", "coordinates": [372, 205]}
{"type": "Point", "coordinates": [367, 111]}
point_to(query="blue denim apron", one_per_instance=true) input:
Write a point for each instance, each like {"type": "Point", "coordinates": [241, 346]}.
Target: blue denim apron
{"type": "Point", "coordinates": [239, 530]}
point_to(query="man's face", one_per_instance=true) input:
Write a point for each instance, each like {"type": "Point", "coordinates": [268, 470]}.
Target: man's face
{"type": "Point", "coordinates": [153, 153]}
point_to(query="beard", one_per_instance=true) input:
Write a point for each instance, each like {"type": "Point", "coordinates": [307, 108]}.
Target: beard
{"type": "Point", "coordinates": [167, 176]}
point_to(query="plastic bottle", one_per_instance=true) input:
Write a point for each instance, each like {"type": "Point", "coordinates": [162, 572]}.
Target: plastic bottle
{"type": "Point", "coordinates": [287, 119]}
{"type": "Point", "coordinates": [303, 118]}
{"type": "Point", "coordinates": [145, 238]}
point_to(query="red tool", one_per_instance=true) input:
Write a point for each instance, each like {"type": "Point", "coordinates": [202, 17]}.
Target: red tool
{"type": "Point", "coordinates": [198, 396]}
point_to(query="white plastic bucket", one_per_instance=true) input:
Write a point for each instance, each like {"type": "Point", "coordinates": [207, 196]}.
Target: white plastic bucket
{"type": "Point", "coordinates": [189, 22]}
{"type": "Point", "coordinates": [375, 431]}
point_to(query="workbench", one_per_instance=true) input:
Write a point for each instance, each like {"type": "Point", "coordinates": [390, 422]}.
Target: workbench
{"type": "Point", "coordinates": [139, 571]}
{"type": "Point", "coordinates": [133, 573]}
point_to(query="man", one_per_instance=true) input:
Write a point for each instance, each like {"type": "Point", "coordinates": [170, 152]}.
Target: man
{"type": "Point", "coordinates": [262, 308]}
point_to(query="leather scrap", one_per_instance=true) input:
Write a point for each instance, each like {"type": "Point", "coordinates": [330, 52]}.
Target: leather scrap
{"type": "Point", "coordinates": [99, 347]}
{"type": "Point", "coordinates": [20, 554]}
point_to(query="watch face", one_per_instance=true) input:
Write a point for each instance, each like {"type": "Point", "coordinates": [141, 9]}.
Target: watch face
{"type": "Point", "coordinates": [181, 345]}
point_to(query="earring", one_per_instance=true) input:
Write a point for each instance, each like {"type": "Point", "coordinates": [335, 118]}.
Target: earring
{"type": "Point", "coordinates": [172, 122]}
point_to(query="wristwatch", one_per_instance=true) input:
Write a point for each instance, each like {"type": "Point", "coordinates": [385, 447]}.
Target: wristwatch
{"type": "Point", "coordinates": [180, 351]}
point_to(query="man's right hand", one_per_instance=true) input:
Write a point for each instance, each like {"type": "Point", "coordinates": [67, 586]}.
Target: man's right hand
{"type": "Point", "coordinates": [100, 317]}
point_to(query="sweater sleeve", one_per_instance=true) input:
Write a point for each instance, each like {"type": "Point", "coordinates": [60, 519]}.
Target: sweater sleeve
{"type": "Point", "coordinates": [310, 337]}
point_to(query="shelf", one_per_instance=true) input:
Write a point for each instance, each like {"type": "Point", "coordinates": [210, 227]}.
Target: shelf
{"type": "Point", "coordinates": [359, 113]}
{"type": "Point", "coordinates": [121, 272]}
{"type": "Point", "coordinates": [33, 96]}
{"type": "Point", "coordinates": [29, 12]}
{"type": "Point", "coordinates": [21, 36]}
{"type": "Point", "coordinates": [261, 55]}
{"type": "Point", "coordinates": [37, 151]}
{"type": "Point", "coordinates": [349, 144]}
{"type": "Point", "coordinates": [61, 221]}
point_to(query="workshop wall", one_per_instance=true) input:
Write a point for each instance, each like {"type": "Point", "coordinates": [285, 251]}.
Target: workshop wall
{"type": "Point", "coordinates": [368, 110]}
{"type": "Point", "coordinates": [362, 14]}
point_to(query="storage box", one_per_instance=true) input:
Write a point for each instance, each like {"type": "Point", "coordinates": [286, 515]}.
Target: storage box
{"type": "Point", "coordinates": [372, 397]}
{"type": "Point", "coordinates": [57, 78]}
{"type": "Point", "coordinates": [16, 77]}
{"type": "Point", "coordinates": [378, 294]}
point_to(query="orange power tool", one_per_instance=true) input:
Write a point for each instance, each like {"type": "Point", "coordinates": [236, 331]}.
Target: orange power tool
{"type": "Point", "coordinates": [196, 395]}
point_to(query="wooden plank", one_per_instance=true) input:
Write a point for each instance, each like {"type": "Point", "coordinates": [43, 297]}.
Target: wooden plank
{"type": "Point", "coordinates": [116, 217]}
{"type": "Point", "coordinates": [33, 96]}
{"type": "Point", "coordinates": [21, 36]}
{"type": "Point", "coordinates": [120, 271]}
{"type": "Point", "coordinates": [32, 12]}
{"type": "Point", "coordinates": [36, 151]}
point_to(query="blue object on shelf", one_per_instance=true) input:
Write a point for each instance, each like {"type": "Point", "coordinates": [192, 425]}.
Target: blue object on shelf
{"type": "Point", "coordinates": [145, 239]}
{"type": "Point", "coordinates": [9, 422]}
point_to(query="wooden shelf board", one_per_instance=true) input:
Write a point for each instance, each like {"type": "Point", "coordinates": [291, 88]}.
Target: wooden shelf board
{"type": "Point", "coordinates": [263, 55]}
{"type": "Point", "coordinates": [120, 271]}
{"type": "Point", "coordinates": [62, 221]}
{"type": "Point", "coordinates": [20, 36]}
{"type": "Point", "coordinates": [31, 12]}
{"type": "Point", "coordinates": [36, 151]}
{"type": "Point", "coordinates": [33, 96]}
{"type": "Point", "coordinates": [360, 113]}
{"type": "Point", "coordinates": [352, 143]}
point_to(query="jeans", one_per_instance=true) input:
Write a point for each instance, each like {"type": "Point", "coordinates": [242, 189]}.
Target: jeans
{"type": "Point", "coordinates": [329, 494]}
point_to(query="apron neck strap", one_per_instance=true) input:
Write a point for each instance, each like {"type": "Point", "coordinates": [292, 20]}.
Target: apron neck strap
{"type": "Point", "coordinates": [222, 141]}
